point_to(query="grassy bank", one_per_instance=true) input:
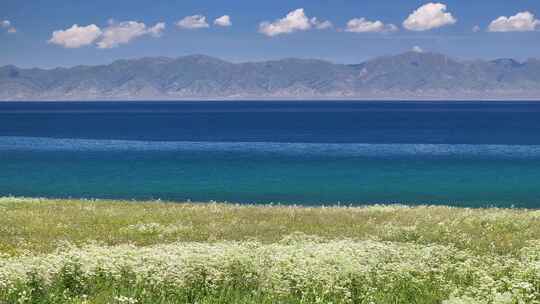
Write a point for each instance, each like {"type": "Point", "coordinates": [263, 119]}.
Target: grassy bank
{"type": "Point", "coordinates": [69, 251]}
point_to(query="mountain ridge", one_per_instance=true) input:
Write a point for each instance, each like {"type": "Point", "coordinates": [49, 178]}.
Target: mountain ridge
{"type": "Point", "coordinates": [410, 75]}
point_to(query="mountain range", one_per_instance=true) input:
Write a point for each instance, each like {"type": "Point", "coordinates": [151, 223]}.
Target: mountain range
{"type": "Point", "coordinates": [411, 75]}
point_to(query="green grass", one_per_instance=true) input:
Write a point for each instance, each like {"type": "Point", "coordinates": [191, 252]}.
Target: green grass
{"type": "Point", "coordinates": [78, 251]}
{"type": "Point", "coordinates": [39, 225]}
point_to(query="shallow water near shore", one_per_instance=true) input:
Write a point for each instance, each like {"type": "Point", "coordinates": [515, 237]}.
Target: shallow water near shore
{"type": "Point", "coordinates": [455, 153]}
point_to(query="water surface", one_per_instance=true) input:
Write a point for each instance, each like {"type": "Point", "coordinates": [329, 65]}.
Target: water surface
{"type": "Point", "coordinates": [458, 153]}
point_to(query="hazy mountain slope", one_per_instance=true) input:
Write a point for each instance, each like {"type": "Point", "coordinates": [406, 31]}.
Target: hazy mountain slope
{"type": "Point", "coordinates": [408, 75]}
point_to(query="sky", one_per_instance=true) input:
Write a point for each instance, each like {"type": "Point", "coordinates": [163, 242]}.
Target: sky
{"type": "Point", "coordinates": [52, 33]}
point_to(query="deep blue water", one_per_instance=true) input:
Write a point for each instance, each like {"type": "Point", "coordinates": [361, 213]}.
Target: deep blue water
{"type": "Point", "coordinates": [294, 152]}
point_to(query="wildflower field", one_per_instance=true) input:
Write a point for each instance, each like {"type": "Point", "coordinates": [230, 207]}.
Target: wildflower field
{"type": "Point", "coordinates": [71, 251]}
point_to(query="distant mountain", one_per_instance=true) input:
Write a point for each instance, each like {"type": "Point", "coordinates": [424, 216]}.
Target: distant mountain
{"type": "Point", "coordinates": [411, 75]}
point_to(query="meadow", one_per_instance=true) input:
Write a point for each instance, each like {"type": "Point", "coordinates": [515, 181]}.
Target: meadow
{"type": "Point", "coordinates": [88, 251]}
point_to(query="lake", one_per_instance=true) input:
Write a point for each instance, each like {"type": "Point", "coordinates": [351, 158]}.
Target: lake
{"type": "Point", "coordinates": [290, 152]}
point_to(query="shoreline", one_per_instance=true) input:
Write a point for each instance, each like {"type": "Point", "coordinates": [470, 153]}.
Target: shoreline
{"type": "Point", "coordinates": [263, 205]}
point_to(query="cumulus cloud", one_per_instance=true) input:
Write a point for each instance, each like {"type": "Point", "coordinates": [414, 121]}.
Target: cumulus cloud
{"type": "Point", "coordinates": [476, 29]}
{"type": "Point", "coordinates": [157, 29]}
{"type": "Point", "coordinates": [361, 25]}
{"type": "Point", "coordinates": [429, 16]}
{"type": "Point", "coordinates": [224, 20]}
{"type": "Point", "coordinates": [193, 22]}
{"type": "Point", "coordinates": [294, 21]}
{"type": "Point", "coordinates": [76, 36]}
{"type": "Point", "coordinates": [521, 22]}
{"type": "Point", "coordinates": [112, 36]}
{"type": "Point", "coordinates": [321, 25]}
{"type": "Point", "coordinates": [6, 24]}
{"type": "Point", "coordinates": [124, 32]}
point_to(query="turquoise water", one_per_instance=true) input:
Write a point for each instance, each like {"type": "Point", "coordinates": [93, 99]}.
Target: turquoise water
{"type": "Point", "coordinates": [294, 155]}
{"type": "Point", "coordinates": [465, 175]}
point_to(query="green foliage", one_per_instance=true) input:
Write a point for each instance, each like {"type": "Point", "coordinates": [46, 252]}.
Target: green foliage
{"type": "Point", "coordinates": [55, 251]}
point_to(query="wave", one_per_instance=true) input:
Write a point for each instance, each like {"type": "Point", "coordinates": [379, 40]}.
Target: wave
{"type": "Point", "coordinates": [10, 143]}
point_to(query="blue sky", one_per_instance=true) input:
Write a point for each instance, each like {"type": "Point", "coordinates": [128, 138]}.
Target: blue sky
{"type": "Point", "coordinates": [27, 27]}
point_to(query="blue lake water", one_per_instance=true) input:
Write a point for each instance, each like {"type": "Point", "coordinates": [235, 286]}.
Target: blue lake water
{"type": "Point", "coordinates": [295, 152]}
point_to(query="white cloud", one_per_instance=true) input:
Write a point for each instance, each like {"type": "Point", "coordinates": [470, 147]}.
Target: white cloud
{"type": "Point", "coordinates": [294, 21]}
{"type": "Point", "coordinates": [7, 25]}
{"type": "Point", "coordinates": [224, 20]}
{"type": "Point", "coordinates": [417, 49]}
{"type": "Point", "coordinates": [123, 32]}
{"type": "Point", "coordinates": [429, 16]}
{"type": "Point", "coordinates": [521, 22]}
{"type": "Point", "coordinates": [321, 25]}
{"type": "Point", "coordinates": [76, 36]}
{"type": "Point", "coordinates": [157, 29]}
{"type": "Point", "coordinates": [476, 29]}
{"type": "Point", "coordinates": [361, 25]}
{"type": "Point", "coordinates": [112, 36]}
{"type": "Point", "coordinates": [193, 22]}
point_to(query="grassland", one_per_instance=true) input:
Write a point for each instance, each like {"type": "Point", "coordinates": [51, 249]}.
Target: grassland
{"type": "Point", "coordinates": [72, 251]}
